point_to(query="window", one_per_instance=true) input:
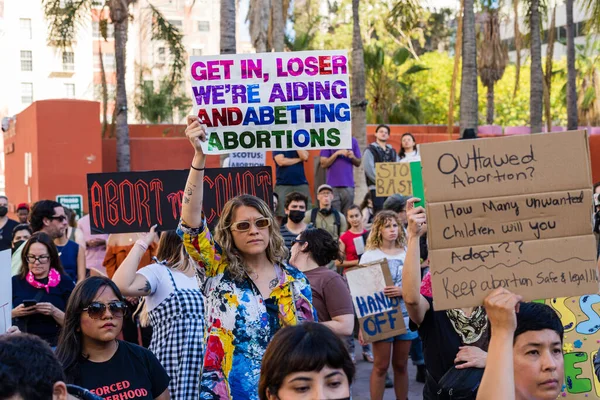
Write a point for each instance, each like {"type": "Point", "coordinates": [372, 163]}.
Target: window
{"type": "Point", "coordinates": [26, 60]}
{"type": "Point", "coordinates": [107, 58]}
{"type": "Point", "coordinates": [26, 93]}
{"type": "Point", "coordinates": [70, 90]}
{"type": "Point", "coordinates": [177, 23]}
{"type": "Point", "coordinates": [110, 30]}
{"type": "Point", "coordinates": [162, 55]}
{"type": "Point", "coordinates": [68, 60]}
{"type": "Point", "coordinates": [203, 26]}
{"type": "Point", "coordinates": [25, 28]}
{"type": "Point", "coordinates": [196, 52]}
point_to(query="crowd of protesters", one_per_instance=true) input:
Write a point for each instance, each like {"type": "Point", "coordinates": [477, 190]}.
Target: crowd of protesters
{"type": "Point", "coordinates": [259, 307]}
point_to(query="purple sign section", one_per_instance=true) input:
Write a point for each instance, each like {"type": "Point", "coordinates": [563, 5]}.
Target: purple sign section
{"type": "Point", "coordinates": [273, 101]}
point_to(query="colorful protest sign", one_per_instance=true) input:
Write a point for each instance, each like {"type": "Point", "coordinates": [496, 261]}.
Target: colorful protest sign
{"type": "Point", "coordinates": [5, 291]}
{"type": "Point", "coordinates": [72, 201]}
{"type": "Point", "coordinates": [402, 178]}
{"type": "Point", "coordinates": [379, 317]}
{"type": "Point", "coordinates": [509, 212]}
{"type": "Point", "coordinates": [134, 201]}
{"type": "Point", "coordinates": [247, 159]}
{"type": "Point", "coordinates": [580, 318]}
{"type": "Point", "coordinates": [273, 101]}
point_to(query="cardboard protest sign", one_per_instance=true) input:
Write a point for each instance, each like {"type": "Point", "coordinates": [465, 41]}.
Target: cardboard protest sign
{"type": "Point", "coordinates": [5, 291]}
{"type": "Point", "coordinates": [247, 159]}
{"type": "Point", "coordinates": [134, 201]}
{"type": "Point", "coordinates": [402, 178]}
{"type": "Point", "coordinates": [509, 212]}
{"type": "Point", "coordinates": [273, 101]}
{"type": "Point", "coordinates": [379, 316]}
{"type": "Point", "coordinates": [581, 319]}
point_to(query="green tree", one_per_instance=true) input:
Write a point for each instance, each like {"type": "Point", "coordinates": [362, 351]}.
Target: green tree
{"type": "Point", "coordinates": [158, 106]}
{"type": "Point", "coordinates": [390, 97]}
{"type": "Point", "coordinates": [64, 17]}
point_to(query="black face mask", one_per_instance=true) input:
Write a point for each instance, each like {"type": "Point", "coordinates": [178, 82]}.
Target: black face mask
{"type": "Point", "coordinates": [3, 211]}
{"type": "Point", "coordinates": [296, 216]}
{"type": "Point", "coordinates": [18, 244]}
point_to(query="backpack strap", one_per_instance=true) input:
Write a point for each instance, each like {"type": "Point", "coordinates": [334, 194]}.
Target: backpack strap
{"type": "Point", "coordinates": [338, 221]}
{"type": "Point", "coordinates": [313, 216]}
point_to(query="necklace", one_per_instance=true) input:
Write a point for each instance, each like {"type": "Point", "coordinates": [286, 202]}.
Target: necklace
{"type": "Point", "coordinates": [272, 283]}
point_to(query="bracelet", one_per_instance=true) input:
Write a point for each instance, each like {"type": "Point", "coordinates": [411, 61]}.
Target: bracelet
{"type": "Point", "coordinates": [142, 244]}
{"type": "Point", "coordinates": [197, 169]}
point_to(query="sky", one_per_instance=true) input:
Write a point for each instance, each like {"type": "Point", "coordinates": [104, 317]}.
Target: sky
{"type": "Point", "coordinates": [453, 4]}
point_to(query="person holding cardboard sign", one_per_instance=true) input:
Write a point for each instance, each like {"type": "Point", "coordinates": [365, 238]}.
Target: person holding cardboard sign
{"type": "Point", "coordinates": [251, 292]}
{"type": "Point", "coordinates": [454, 341]}
{"type": "Point", "coordinates": [387, 241]}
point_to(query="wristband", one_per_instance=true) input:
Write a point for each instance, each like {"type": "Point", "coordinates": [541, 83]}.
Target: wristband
{"type": "Point", "coordinates": [196, 169]}
{"type": "Point", "coordinates": [142, 244]}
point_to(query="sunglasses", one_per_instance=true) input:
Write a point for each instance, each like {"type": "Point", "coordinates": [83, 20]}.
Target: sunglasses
{"type": "Point", "coordinates": [60, 218]}
{"type": "Point", "coordinates": [41, 259]}
{"type": "Point", "coordinates": [299, 241]}
{"type": "Point", "coordinates": [96, 309]}
{"type": "Point", "coordinates": [243, 226]}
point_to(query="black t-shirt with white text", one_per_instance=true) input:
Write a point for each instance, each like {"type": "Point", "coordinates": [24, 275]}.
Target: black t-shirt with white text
{"type": "Point", "coordinates": [132, 373]}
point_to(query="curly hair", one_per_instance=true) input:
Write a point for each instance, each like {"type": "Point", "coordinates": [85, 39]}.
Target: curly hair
{"type": "Point", "coordinates": [276, 250]}
{"type": "Point", "coordinates": [375, 239]}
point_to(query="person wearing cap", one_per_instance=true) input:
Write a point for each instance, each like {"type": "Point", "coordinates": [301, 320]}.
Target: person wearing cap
{"type": "Point", "coordinates": [340, 165]}
{"type": "Point", "coordinates": [325, 216]}
{"type": "Point", "coordinates": [23, 212]}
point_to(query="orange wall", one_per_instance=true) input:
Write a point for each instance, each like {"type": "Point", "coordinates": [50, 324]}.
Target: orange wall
{"type": "Point", "coordinates": [63, 138]}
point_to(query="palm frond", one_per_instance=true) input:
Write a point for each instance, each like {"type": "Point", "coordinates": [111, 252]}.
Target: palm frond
{"type": "Point", "coordinates": [165, 31]}
{"type": "Point", "coordinates": [64, 18]}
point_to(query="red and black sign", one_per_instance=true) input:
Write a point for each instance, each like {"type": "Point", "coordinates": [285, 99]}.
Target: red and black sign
{"type": "Point", "coordinates": [123, 202]}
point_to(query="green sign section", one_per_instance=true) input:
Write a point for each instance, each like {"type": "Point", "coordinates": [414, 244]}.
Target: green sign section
{"type": "Point", "coordinates": [72, 201]}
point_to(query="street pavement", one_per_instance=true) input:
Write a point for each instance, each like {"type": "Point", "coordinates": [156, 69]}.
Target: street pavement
{"type": "Point", "coordinates": [360, 389]}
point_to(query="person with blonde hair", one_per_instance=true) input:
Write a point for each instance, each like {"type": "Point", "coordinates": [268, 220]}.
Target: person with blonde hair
{"type": "Point", "coordinates": [173, 305]}
{"type": "Point", "coordinates": [251, 292]}
{"type": "Point", "coordinates": [387, 241]}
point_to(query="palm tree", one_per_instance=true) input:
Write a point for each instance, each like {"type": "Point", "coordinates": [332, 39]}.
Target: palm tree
{"type": "Point", "coordinates": [457, 56]}
{"type": "Point", "coordinates": [358, 101]}
{"type": "Point", "coordinates": [571, 71]}
{"type": "Point", "coordinates": [390, 97]}
{"type": "Point", "coordinates": [227, 34]}
{"type": "Point", "coordinates": [259, 16]}
{"type": "Point", "coordinates": [64, 18]}
{"type": "Point", "coordinates": [551, 38]}
{"type": "Point", "coordinates": [588, 65]}
{"type": "Point", "coordinates": [468, 87]}
{"type": "Point", "coordinates": [492, 58]}
{"type": "Point", "coordinates": [536, 93]}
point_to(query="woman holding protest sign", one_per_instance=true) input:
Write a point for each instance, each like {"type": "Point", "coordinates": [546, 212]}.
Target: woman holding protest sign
{"type": "Point", "coordinates": [387, 241]}
{"type": "Point", "coordinates": [455, 342]}
{"type": "Point", "coordinates": [250, 291]}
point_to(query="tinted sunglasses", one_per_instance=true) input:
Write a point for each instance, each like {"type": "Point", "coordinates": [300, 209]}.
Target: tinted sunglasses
{"type": "Point", "coordinates": [60, 218]}
{"type": "Point", "coordinates": [299, 241]}
{"type": "Point", "coordinates": [96, 309]}
{"type": "Point", "coordinates": [243, 226]}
